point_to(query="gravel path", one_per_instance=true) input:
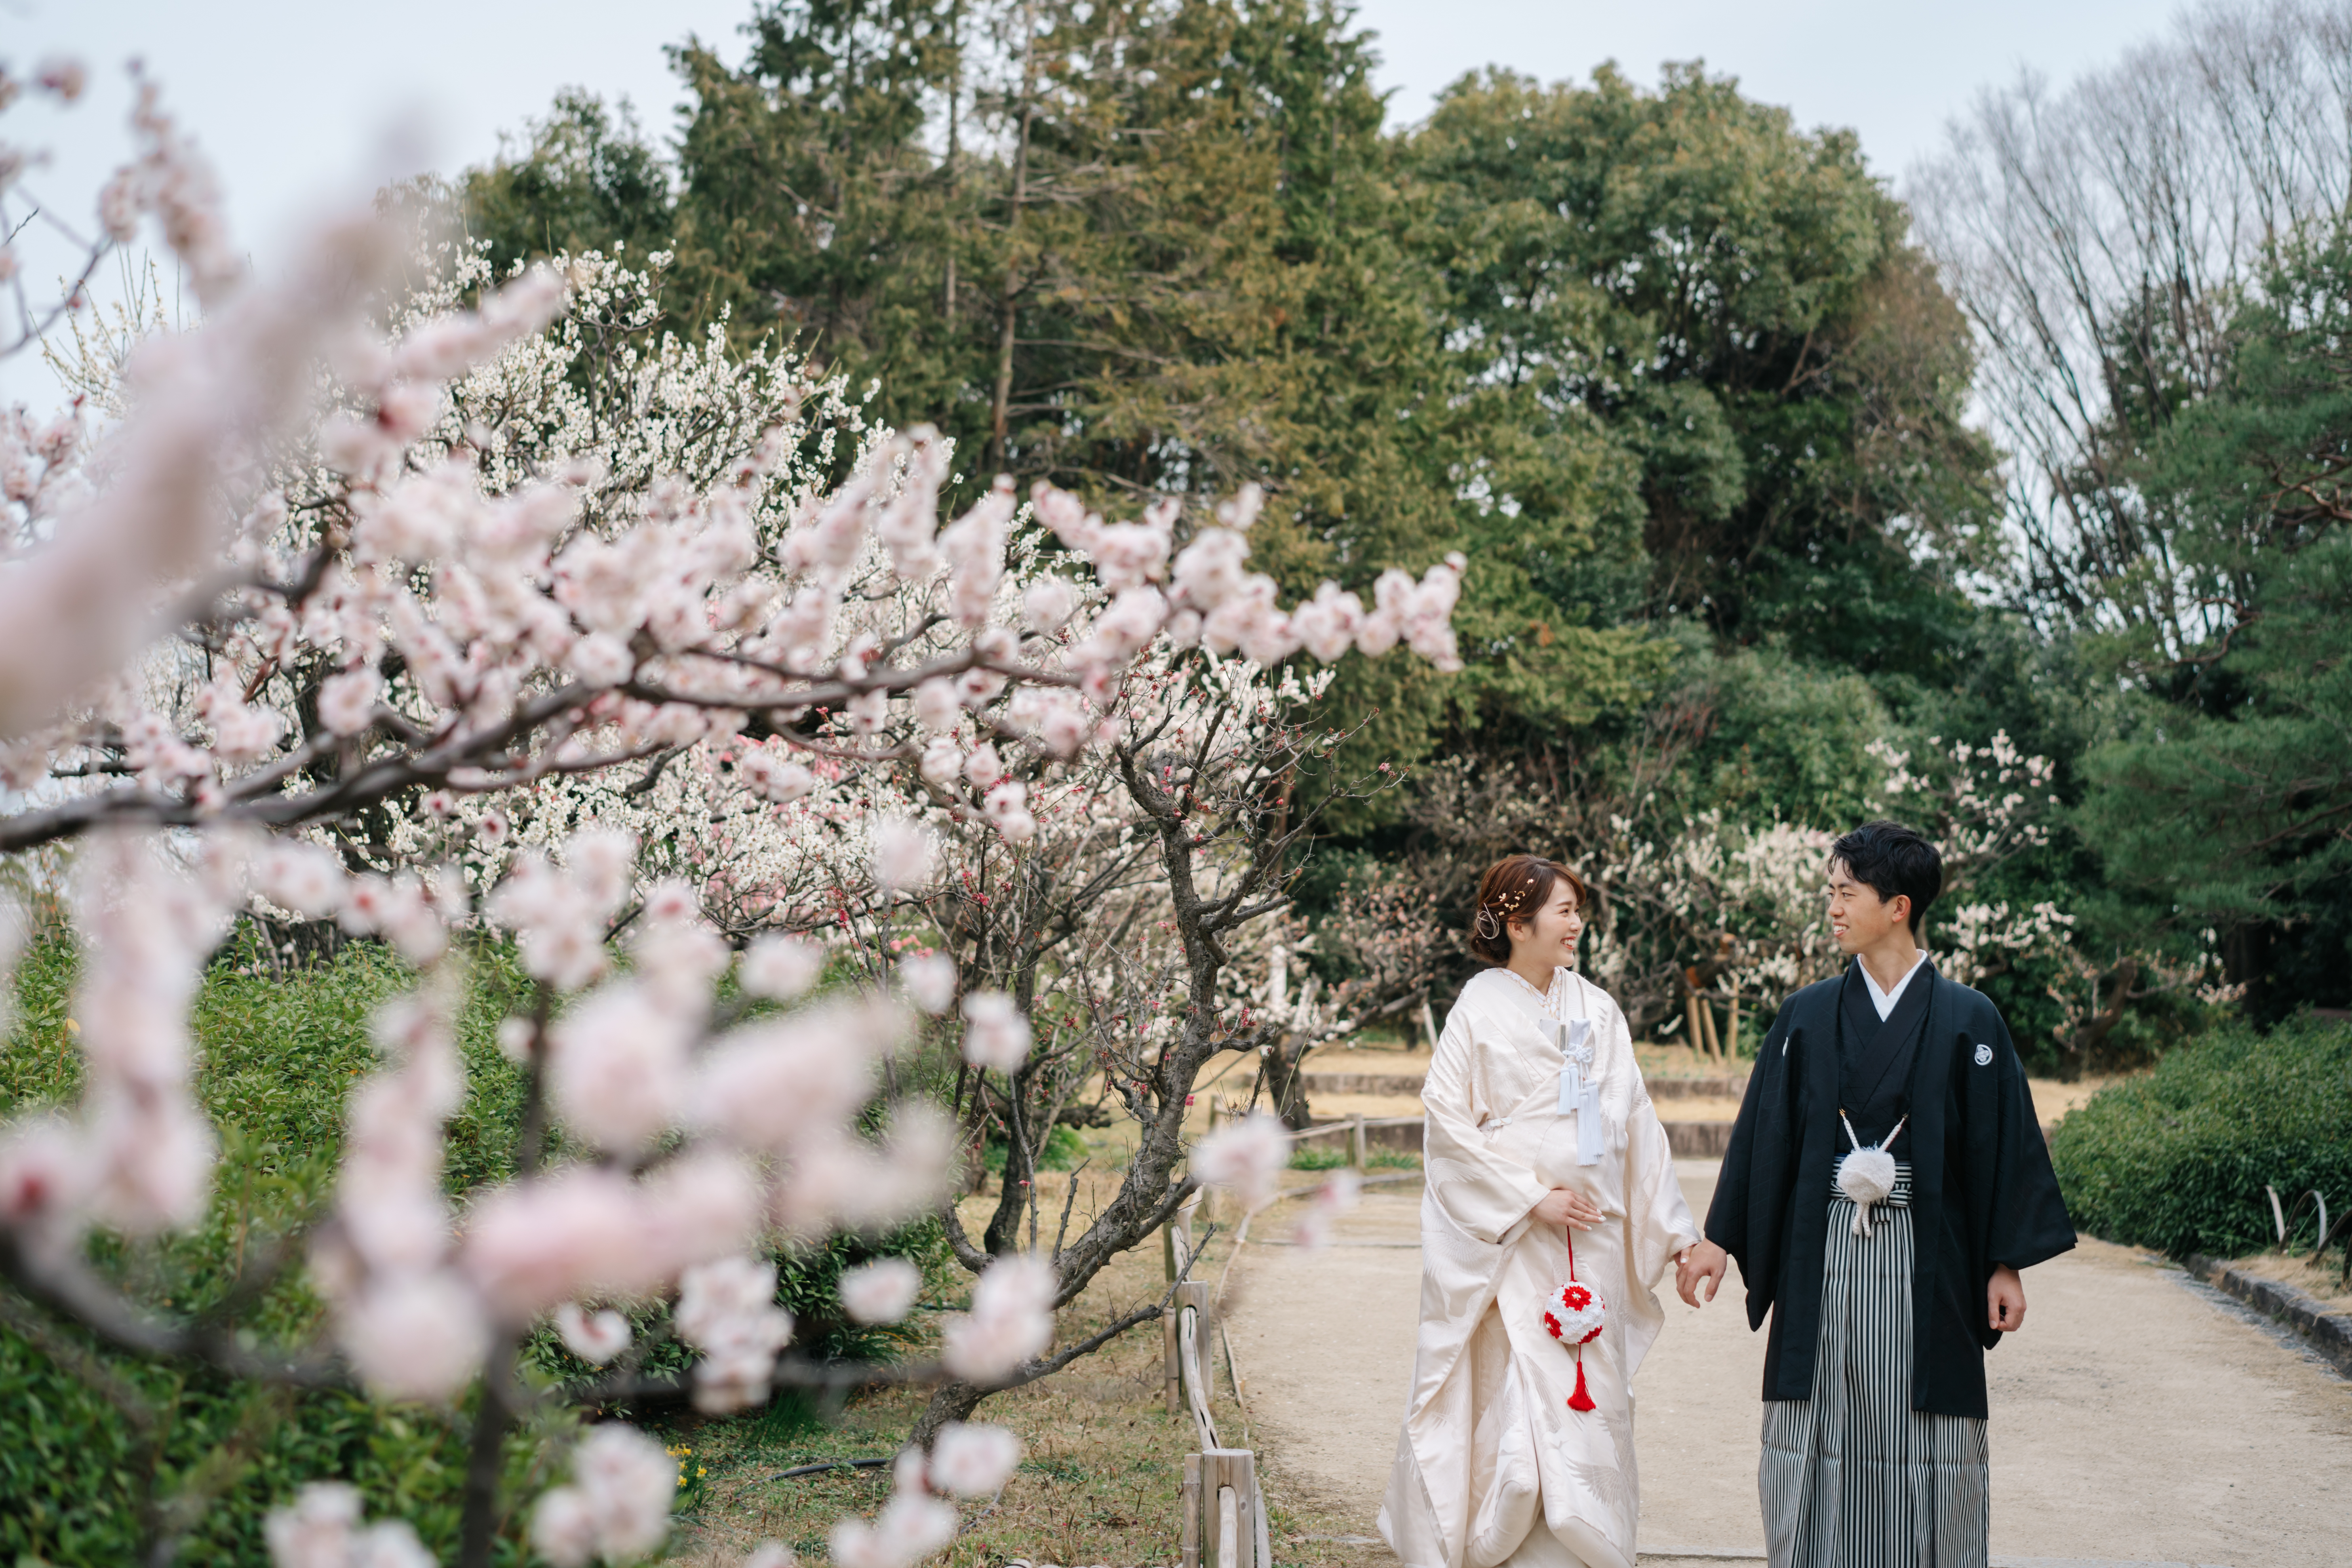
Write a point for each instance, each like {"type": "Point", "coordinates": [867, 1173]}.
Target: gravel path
{"type": "Point", "coordinates": [2138, 1417]}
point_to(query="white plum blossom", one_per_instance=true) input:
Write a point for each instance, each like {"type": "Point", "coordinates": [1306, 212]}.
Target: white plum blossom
{"type": "Point", "coordinates": [910, 1527]}
{"type": "Point", "coordinates": [594, 1337]}
{"type": "Point", "coordinates": [1246, 1156]}
{"type": "Point", "coordinates": [1007, 806]}
{"type": "Point", "coordinates": [347, 701]}
{"type": "Point", "coordinates": [996, 1034]}
{"type": "Point", "coordinates": [322, 1529]}
{"type": "Point", "coordinates": [617, 1506]}
{"type": "Point", "coordinates": [929, 981]}
{"type": "Point", "coordinates": [727, 1309]}
{"type": "Point", "coordinates": [677, 651]}
{"type": "Point", "coordinates": [1011, 1319]}
{"type": "Point", "coordinates": [983, 766]}
{"type": "Point", "coordinates": [972, 1460]}
{"type": "Point", "coordinates": [904, 853]}
{"type": "Point", "coordinates": [942, 760]}
{"type": "Point", "coordinates": [781, 967]}
{"type": "Point", "coordinates": [882, 1292]}
{"type": "Point", "coordinates": [1331, 1200]}
{"type": "Point", "coordinates": [304, 878]}
{"type": "Point", "coordinates": [938, 707]}
{"type": "Point", "coordinates": [617, 1068]}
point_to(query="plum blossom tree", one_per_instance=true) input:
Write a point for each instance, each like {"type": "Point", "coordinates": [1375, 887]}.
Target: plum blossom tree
{"type": "Point", "coordinates": [397, 608]}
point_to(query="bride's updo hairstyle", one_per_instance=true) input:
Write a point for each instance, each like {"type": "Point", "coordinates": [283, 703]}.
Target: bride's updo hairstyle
{"type": "Point", "coordinates": [1514, 888]}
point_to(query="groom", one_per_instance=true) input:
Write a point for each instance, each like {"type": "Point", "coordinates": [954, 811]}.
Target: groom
{"type": "Point", "coordinates": [1882, 1311]}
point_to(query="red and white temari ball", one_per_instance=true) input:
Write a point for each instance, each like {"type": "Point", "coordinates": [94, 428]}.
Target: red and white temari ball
{"type": "Point", "coordinates": [1574, 1315]}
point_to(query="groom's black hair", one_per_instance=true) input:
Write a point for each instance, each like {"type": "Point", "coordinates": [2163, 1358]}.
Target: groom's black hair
{"type": "Point", "coordinates": [1890, 858]}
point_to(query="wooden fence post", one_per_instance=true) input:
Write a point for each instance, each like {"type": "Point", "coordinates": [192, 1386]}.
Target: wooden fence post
{"type": "Point", "coordinates": [1190, 1522]}
{"type": "Point", "coordinates": [1229, 1485]}
{"type": "Point", "coordinates": [1355, 1143]}
{"type": "Point", "coordinates": [1174, 1364]}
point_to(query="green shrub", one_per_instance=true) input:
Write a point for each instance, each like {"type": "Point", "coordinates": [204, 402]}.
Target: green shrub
{"type": "Point", "coordinates": [1064, 1150]}
{"type": "Point", "coordinates": [2178, 1160]}
{"type": "Point", "coordinates": [279, 1053]}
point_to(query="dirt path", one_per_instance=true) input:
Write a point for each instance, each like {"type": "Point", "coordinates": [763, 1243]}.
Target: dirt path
{"type": "Point", "coordinates": [2137, 1418]}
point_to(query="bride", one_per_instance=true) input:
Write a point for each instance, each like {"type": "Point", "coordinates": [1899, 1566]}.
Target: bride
{"type": "Point", "coordinates": [1543, 1154]}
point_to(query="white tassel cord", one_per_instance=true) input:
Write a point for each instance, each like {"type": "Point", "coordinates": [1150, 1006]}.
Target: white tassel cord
{"type": "Point", "coordinates": [1866, 1175]}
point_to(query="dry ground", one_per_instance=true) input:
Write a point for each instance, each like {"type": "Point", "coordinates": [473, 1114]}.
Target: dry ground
{"type": "Point", "coordinates": [2324, 1281]}
{"type": "Point", "coordinates": [2135, 1418]}
{"type": "Point", "coordinates": [1097, 1484]}
{"type": "Point", "coordinates": [1099, 1480]}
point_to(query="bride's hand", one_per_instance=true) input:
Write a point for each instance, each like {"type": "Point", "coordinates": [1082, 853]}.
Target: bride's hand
{"type": "Point", "coordinates": [1562, 1206]}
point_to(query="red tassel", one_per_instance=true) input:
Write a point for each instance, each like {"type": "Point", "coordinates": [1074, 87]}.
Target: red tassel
{"type": "Point", "coordinates": [1579, 1400]}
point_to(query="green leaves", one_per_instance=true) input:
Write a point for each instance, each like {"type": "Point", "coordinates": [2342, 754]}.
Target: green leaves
{"type": "Point", "coordinates": [2229, 797]}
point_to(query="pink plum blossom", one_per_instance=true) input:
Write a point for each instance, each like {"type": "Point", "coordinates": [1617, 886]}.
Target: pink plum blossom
{"type": "Point", "coordinates": [768, 1084]}
{"type": "Point", "coordinates": [1334, 1198]}
{"type": "Point", "coordinates": [909, 1528]}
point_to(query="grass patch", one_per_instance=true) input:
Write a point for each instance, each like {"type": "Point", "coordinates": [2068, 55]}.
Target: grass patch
{"type": "Point", "coordinates": [1097, 1482]}
{"type": "Point", "coordinates": [1311, 1157]}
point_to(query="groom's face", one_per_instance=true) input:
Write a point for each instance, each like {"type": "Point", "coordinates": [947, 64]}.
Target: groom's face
{"type": "Point", "coordinates": [1859, 918]}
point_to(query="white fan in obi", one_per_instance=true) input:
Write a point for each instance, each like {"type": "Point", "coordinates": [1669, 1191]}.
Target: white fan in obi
{"type": "Point", "coordinates": [1575, 1314]}
{"type": "Point", "coordinates": [1578, 1090]}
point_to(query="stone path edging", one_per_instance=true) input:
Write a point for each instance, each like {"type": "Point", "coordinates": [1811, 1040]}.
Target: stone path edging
{"type": "Point", "coordinates": [2328, 1334]}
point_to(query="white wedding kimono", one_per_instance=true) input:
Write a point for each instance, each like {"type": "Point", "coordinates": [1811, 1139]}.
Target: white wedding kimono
{"type": "Point", "coordinates": [1492, 1466]}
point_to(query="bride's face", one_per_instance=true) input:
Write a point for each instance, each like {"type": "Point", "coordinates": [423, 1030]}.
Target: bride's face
{"type": "Point", "coordinates": [1551, 937]}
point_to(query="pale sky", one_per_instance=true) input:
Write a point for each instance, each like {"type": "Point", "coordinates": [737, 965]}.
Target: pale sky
{"type": "Point", "coordinates": [296, 100]}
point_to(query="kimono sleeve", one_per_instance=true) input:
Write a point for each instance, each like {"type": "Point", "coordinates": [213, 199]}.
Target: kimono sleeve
{"type": "Point", "coordinates": [1658, 1220]}
{"type": "Point", "coordinates": [2029, 1223]}
{"type": "Point", "coordinates": [1485, 1193]}
{"type": "Point", "coordinates": [1727, 1214]}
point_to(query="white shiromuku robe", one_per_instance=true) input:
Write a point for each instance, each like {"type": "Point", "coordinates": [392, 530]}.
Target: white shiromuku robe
{"type": "Point", "coordinates": [1493, 1467]}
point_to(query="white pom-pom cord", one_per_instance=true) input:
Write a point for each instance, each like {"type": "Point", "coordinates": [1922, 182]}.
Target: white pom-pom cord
{"type": "Point", "coordinates": [1866, 1175]}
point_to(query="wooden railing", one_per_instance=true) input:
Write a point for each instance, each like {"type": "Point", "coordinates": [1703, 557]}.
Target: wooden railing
{"type": "Point", "coordinates": [1354, 1127]}
{"type": "Point", "coordinates": [1224, 1523]}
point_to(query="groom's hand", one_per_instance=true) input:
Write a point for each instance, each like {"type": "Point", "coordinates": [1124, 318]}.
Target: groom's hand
{"type": "Point", "coordinates": [2005, 1301]}
{"type": "Point", "coordinates": [1704, 1263]}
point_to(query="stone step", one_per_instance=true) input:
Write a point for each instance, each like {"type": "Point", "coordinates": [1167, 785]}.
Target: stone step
{"type": "Point", "coordinates": [1410, 1083]}
{"type": "Point", "coordinates": [1361, 1083]}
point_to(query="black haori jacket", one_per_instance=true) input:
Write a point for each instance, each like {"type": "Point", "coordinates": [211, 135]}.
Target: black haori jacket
{"type": "Point", "coordinates": [1982, 1193]}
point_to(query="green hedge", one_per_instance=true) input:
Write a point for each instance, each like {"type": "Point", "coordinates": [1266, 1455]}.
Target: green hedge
{"type": "Point", "coordinates": [2176, 1160]}
{"type": "Point", "coordinates": [278, 1054]}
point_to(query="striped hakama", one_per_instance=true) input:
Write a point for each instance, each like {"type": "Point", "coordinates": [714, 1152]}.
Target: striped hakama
{"type": "Point", "coordinates": [1855, 1478]}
